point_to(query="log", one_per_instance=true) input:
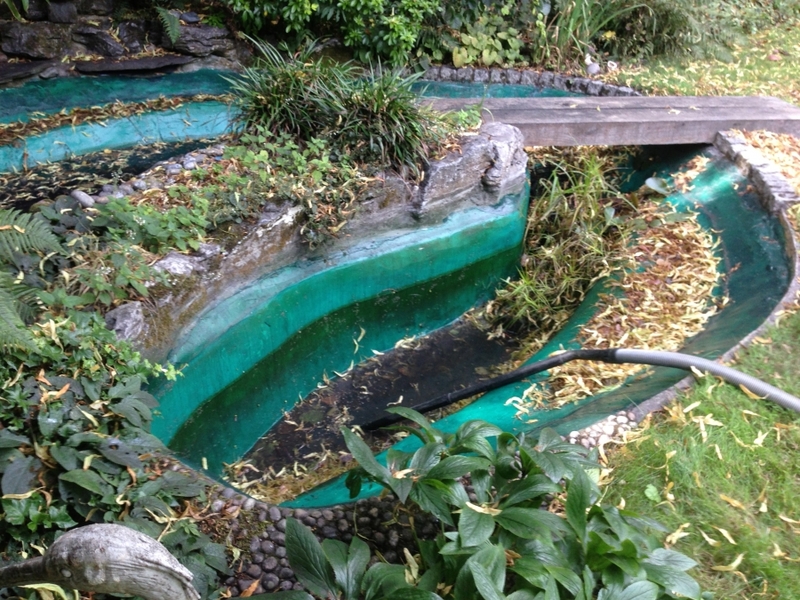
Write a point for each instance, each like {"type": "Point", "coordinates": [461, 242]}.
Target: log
{"type": "Point", "coordinates": [106, 558]}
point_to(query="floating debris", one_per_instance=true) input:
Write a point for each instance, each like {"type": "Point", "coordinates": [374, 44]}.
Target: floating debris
{"type": "Point", "coordinates": [666, 297]}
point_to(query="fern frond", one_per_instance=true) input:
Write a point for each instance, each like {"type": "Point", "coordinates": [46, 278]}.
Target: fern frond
{"type": "Point", "coordinates": [13, 332]}
{"type": "Point", "coordinates": [22, 233]}
{"type": "Point", "coordinates": [171, 24]}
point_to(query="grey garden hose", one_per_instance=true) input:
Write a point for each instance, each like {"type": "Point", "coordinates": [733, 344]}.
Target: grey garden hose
{"type": "Point", "coordinates": [611, 355]}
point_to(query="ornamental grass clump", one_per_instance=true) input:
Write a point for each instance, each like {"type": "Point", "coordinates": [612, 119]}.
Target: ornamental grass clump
{"type": "Point", "coordinates": [371, 116]}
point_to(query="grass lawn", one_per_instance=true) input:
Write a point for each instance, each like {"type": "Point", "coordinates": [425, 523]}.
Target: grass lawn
{"type": "Point", "coordinates": [719, 469]}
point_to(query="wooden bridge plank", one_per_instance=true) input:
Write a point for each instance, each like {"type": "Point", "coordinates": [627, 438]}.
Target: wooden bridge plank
{"type": "Point", "coordinates": [639, 120]}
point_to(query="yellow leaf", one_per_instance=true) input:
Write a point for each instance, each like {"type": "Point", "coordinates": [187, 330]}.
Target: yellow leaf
{"type": "Point", "coordinates": [719, 453]}
{"type": "Point", "coordinates": [691, 407]}
{"type": "Point", "coordinates": [733, 502]}
{"type": "Point", "coordinates": [484, 510]}
{"type": "Point", "coordinates": [750, 394]}
{"type": "Point", "coordinates": [402, 474]}
{"type": "Point", "coordinates": [726, 535]}
{"type": "Point", "coordinates": [778, 553]}
{"type": "Point", "coordinates": [731, 567]}
{"type": "Point", "coordinates": [709, 540]}
{"type": "Point", "coordinates": [788, 520]}
{"type": "Point", "coordinates": [676, 535]}
{"type": "Point", "coordinates": [759, 441]}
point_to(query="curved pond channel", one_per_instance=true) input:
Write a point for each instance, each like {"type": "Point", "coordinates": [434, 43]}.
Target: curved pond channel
{"type": "Point", "coordinates": [250, 357]}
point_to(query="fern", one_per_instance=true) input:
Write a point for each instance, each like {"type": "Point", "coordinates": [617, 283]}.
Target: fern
{"type": "Point", "coordinates": [171, 24]}
{"type": "Point", "coordinates": [24, 233]}
{"type": "Point", "coordinates": [13, 332]}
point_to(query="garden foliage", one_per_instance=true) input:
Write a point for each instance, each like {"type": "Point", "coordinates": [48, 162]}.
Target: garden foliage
{"type": "Point", "coordinates": [539, 32]}
{"type": "Point", "coordinates": [530, 526]}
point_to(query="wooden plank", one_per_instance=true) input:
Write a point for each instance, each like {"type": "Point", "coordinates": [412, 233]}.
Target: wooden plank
{"type": "Point", "coordinates": [638, 120]}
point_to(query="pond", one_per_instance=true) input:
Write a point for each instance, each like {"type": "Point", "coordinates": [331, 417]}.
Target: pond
{"type": "Point", "coordinates": [250, 357]}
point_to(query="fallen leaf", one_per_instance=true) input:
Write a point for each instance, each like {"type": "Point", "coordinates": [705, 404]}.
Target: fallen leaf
{"type": "Point", "coordinates": [250, 589]}
{"type": "Point", "coordinates": [676, 535]}
{"type": "Point", "coordinates": [733, 502]}
{"type": "Point", "coordinates": [725, 534]}
{"type": "Point", "coordinates": [484, 510]}
{"type": "Point", "coordinates": [750, 394]}
{"type": "Point", "coordinates": [709, 540]}
{"type": "Point", "coordinates": [731, 567]}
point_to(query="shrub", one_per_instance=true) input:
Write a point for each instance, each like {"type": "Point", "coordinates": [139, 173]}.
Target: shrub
{"type": "Point", "coordinates": [375, 117]}
{"type": "Point", "coordinates": [496, 539]}
{"type": "Point", "coordinates": [293, 93]}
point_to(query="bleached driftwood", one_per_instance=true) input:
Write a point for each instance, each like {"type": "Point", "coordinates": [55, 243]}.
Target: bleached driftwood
{"type": "Point", "coordinates": [106, 558]}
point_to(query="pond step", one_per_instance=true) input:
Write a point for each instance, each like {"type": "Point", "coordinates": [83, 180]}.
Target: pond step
{"type": "Point", "coordinates": [635, 120]}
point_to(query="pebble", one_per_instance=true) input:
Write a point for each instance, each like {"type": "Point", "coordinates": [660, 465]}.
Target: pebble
{"type": "Point", "coordinates": [84, 199]}
{"type": "Point", "coordinates": [190, 164]}
{"type": "Point", "coordinates": [173, 170]}
{"type": "Point", "coordinates": [190, 18]}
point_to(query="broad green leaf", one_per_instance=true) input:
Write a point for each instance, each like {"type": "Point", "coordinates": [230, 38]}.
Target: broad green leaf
{"type": "Point", "coordinates": [640, 590]}
{"type": "Point", "coordinates": [366, 459]}
{"type": "Point", "coordinates": [426, 458]}
{"type": "Point", "coordinates": [493, 560]}
{"type": "Point", "coordinates": [675, 581]}
{"type": "Point", "coordinates": [671, 558]}
{"type": "Point", "coordinates": [578, 501]}
{"type": "Point", "coordinates": [216, 557]}
{"type": "Point", "coordinates": [412, 594]}
{"type": "Point", "coordinates": [12, 440]}
{"type": "Point", "coordinates": [482, 485]}
{"type": "Point", "coordinates": [382, 579]}
{"type": "Point", "coordinates": [483, 582]}
{"type": "Point", "coordinates": [290, 595]}
{"type": "Point", "coordinates": [533, 486]}
{"type": "Point", "coordinates": [308, 560]}
{"type": "Point", "coordinates": [119, 453]}
{"type": "Point", "coordinates": [20, 475]}
{"type": "Point", "coordinates": [349, 564]}
{"type": "Point", "coordinates": [529, 523]}
{"type": "Point", "coordinates": [432, 499]}
{"type": "Point", "coordinates": [651, 493]}
{"type": "Point", "coordinates": [432, 434]}
{"type": "Point", "coordinates": [454, 467]}
{"type": "Point", "coordinates": [88, 480]}
{"type": "Point", "coordinates": [474, 528]}
{"type": "Point", "coordinates": [566, 577]}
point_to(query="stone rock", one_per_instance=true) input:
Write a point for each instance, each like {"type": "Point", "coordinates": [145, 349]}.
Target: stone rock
{"type": "Point", "coordinates": [98, 40]}
{"type": "Point", "coordinates": [464, 74]}
{"type": "Point", "coordinates": [203, 40]}
{"type": "Point", "coordinates": [22, 70]}
{"type": "Point", "coordinates": [190, 18]}
{"type": "Point", "coordinates": [509, 161]}
{"type": "Point", "coordinates": [34, 40]}
{"type": "Point", "coordinates": [83, 198]}
{"type": "Point", "coordinates": [127, 321]}
{"type": "Point", "coordinates": [37, 9]}
{"type": "Point", "coordinates": [132, 34]}
{"type": "Point", "coordinates": [133, 65]}
{"type": "Point", "coordinates": [62, 12]}
{"type": "Point", "coordinates": [177, 264]}
{"type": "Point", "coordinates": [481, 76]}
{"type": "Point", "coordinates": [51, 72]}
{"type": "Point", "coordinates": [96, 7]}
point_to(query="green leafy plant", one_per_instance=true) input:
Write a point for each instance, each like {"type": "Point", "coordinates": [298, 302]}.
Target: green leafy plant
{"type": "Point", "coordinates": [156, 231]}
{"type": "Point", "coordinates": [383, 122]}
{"type": "Point", "coordinates": [20, 234]}
{"type": "Point", "coordinates": [372, 118]}
{"type": "Point", "coordinates": [575, 236]}
{"type": "Point", "coordinates": [171, 24]}
{"type": "Point", "coordinates": [498, 541]}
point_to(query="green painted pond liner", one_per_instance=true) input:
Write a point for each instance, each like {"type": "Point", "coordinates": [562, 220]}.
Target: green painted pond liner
{"type": "Point", "coordinates": [251, 356]}
{"type": "Point", "coordinates": [756, 263]}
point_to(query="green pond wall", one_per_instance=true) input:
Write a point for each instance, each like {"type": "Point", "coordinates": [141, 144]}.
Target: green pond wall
{"type": "Point", "coordinates": [254, 354]}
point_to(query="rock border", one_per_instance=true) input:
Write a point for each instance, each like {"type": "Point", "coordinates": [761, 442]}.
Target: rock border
{"type": "Point", "coordinates": [542, 79]}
